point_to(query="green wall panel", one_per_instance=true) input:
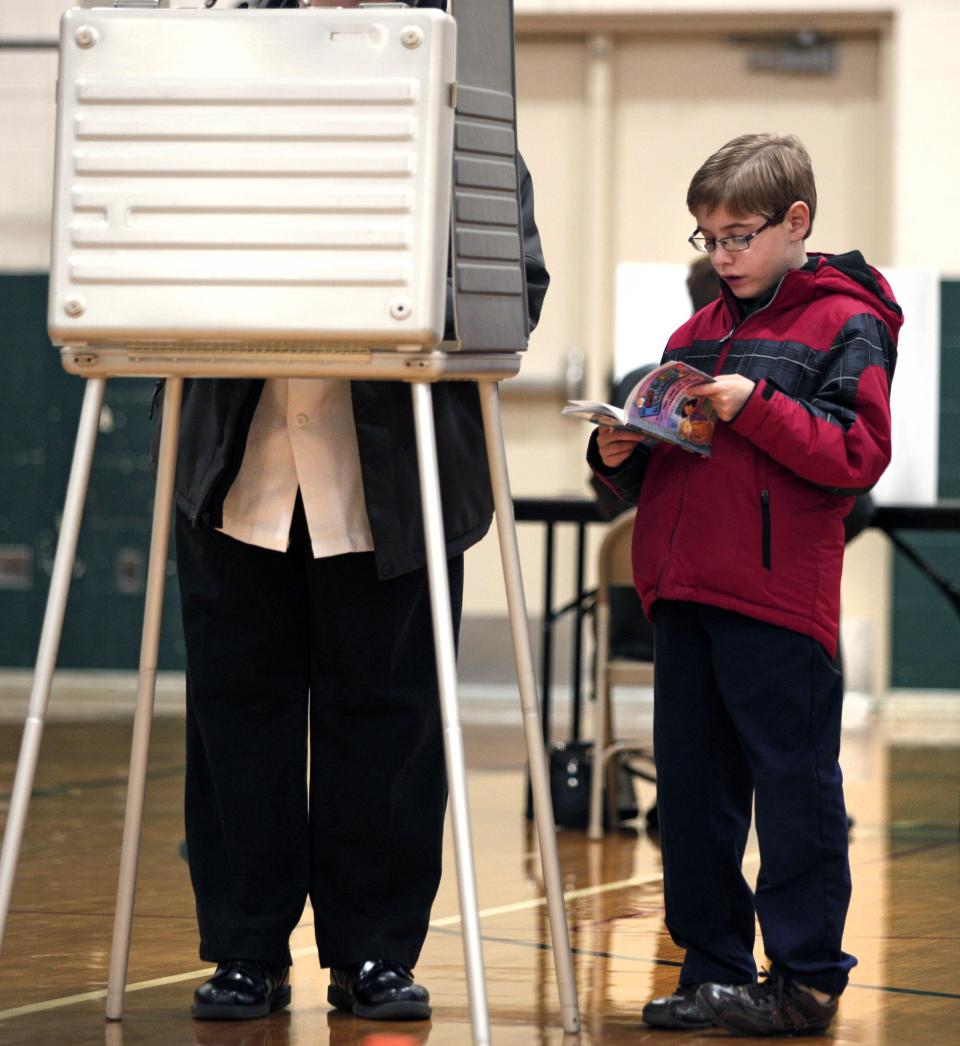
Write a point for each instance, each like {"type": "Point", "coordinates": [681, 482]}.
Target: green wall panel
{"type": "Point", "coordinates": [950, 390]}
{"type": "Point", "coordinates": [39, 410]}
{"type": "Point", "coordinates": [925, 628]}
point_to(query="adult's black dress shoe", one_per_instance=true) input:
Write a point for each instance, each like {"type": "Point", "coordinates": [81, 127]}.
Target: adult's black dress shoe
{"type": "Point", "coordinates": [242, 989]}
{"type": "Point", "coordinates": [380, 990]}
{"type": "Point", "coordinates": [776, 1006]}
{"type": "Point", "coordinates": [680, 1010]}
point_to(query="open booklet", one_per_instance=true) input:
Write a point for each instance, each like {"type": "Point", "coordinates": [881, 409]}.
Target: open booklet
{"type": "Point", "coordinates": [660, 405]}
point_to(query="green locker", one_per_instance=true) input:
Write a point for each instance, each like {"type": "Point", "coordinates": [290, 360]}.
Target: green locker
{"type": "Point", "coordinates": [926, 630]}
{"type": "Point", "coordinates": [38, 422]}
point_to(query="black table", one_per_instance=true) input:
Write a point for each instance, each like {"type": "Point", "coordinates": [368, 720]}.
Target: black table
{"type": "Point", "coordinates": [945, 515]}
{"type": "Point", "coordinates": [579, 511]}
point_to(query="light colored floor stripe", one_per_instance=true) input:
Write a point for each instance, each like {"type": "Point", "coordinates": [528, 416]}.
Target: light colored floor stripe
{"type": "Point", "coordinates": [539, 902]}
{"type": "Point", "coordinates": [70, 1000]}
{"type": "Point", "coordinates": [573, 895]}
{"type": "Point", "coordinates": [450, 920]}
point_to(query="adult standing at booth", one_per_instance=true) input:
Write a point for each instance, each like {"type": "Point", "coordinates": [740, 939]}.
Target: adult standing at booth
{"type": "Point", "coordinates": [307, 620]}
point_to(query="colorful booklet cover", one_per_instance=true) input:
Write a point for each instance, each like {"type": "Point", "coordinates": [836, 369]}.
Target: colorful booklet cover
{"type": "Point", "coordinates": [660, 405]}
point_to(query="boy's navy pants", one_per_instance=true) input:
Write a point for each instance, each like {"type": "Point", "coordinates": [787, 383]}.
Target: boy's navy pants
{"type": "Point", "coordinates": [746, 710]}
{"type": "Point", "coordinates": [290, 657]}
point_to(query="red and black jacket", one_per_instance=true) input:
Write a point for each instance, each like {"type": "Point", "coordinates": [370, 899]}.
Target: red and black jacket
{"type": "Point", "coordinates": [758, 527]}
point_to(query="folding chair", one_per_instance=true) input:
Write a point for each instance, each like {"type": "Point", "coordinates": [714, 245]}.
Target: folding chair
{"type": "Point", "coordinates": [614, 571]}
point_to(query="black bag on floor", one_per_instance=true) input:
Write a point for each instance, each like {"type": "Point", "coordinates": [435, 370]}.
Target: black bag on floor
{"type": "Point", "coordinates": [571, 768]}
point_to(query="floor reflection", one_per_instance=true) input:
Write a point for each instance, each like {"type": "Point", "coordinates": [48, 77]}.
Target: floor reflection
{"type": "Point", "coordinates": [271, 1031]}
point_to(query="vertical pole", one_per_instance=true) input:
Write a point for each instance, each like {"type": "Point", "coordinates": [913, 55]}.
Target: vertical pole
{"type": "Point", "coordinates": [146, 690]}
{"type": "Point", "coordinates": [601, 708]}
{"type": "Point", "coordinates": [548, 622]}
{"type": "Point", "coordinates": [546, 652]}
{"type": "Point", "coordinates": [598, 212]}
{"type": "Point", "coordinates": [452, 734]}
{"type": "Point", "coordinates": [577, 666]}
{"type": "Point", "coordinates": [50, 638]}
{"type": "Point", "coordinates": [523, 653]}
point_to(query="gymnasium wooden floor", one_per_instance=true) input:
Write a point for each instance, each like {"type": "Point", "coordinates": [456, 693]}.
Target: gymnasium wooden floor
{"type": "Point", "coordinates": [903, 788]}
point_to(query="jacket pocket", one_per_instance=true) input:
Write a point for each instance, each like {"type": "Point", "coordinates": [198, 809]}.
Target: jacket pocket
{"type": "Point", "coordinates": [765, 540]}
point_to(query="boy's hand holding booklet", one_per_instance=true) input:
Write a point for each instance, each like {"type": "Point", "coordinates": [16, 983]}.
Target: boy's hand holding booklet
{"type": "Point", "coordinates": [661, 406]}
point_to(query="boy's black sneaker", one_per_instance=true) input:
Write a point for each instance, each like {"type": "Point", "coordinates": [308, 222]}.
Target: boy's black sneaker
{"type": "Point", "coordinates": [776, 1006]}
{"type": "Point", "coordinates": [680, 1010]}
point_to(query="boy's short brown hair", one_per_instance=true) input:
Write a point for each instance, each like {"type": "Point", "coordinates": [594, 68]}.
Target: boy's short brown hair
{"type": "Point", "coordinates": [756, 174]}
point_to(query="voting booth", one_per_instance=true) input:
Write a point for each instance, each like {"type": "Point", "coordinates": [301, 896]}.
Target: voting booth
{"type": "Point", "coordinates": [291, 193]}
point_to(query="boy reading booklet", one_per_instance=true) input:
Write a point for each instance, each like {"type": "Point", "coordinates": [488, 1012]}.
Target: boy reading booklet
{"type": "Point", "coordinates": [738, 560]}
{"type": "Point", "coordinates": [661, 406]}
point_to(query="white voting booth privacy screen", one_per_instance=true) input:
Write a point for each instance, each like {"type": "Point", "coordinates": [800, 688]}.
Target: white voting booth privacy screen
{"type": "Point", "coordinates": [231, 174]}
{"type": "Point", "coordinates": [652, 301]}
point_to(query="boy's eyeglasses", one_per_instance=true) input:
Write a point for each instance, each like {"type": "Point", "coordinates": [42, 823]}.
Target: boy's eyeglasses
{"type": "Point", "coordinates": [707, 245]}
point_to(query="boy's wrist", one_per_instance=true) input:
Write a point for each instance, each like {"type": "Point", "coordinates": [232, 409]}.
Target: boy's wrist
{"type": "Point", "coordinates": [743, 406]}
{"type": "Point", "coordinates": [745, 420]}
{"type": "Point", "coordinates": [596, 462]}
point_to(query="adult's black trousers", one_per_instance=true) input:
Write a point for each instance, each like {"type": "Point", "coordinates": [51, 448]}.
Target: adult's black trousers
{"type": "Point", "coordinates": [295, 661]}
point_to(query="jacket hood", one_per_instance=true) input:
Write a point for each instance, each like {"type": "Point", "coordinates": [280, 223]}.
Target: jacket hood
{"type": "Point", "coordinates": [851, 274]}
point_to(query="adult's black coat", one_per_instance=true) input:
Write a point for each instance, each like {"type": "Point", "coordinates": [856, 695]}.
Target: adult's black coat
{"type": "Point", "coordinates": [217, 413]}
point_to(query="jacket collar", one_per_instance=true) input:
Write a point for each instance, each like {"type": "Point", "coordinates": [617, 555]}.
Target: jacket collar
{"type": "Point", "coordinates": [826, 274]}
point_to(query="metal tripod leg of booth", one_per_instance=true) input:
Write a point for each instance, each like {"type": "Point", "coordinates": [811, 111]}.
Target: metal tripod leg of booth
{"type": "Point", "coordinates": [530, 704]}
{"type": "Point", "coordinates": [449, 708]}
{"type": "Point", "coordinates": [146, 692]}
{"type": "Point", "coordinates": [49, 639]}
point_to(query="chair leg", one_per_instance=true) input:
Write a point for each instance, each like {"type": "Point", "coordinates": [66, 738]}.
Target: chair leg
{"type": "Point", "coordinates": [601, 713]}
{"type": "Point", "coordinates": [610, 764]}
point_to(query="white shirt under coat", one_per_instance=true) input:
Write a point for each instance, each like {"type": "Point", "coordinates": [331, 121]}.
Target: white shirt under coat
{"type": "Point", "coordinates": [302, 436]}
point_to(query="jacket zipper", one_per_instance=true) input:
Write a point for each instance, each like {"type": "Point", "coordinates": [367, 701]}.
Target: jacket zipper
{"type": "Point", "coordinates": [765, 520]}
{"type": "Point", "coordinates": [773, 298]}
{"type": "Point", "coordinates": [765, 496]}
